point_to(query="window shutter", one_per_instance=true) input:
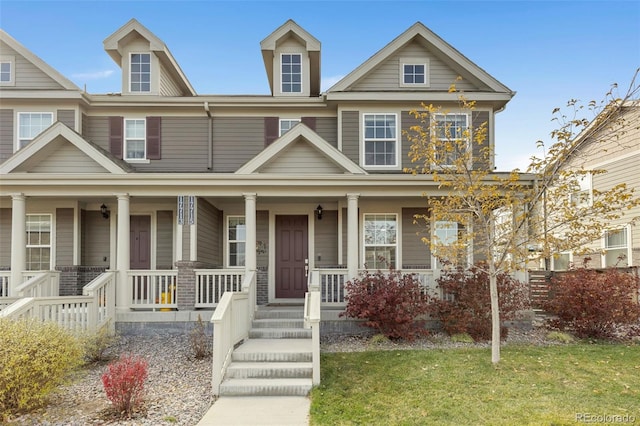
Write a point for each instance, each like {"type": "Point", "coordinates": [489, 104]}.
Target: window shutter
{"type": "Point", "coordinates": [154, 125]}
{"type": "Point", "coordinates": [271, 130]}
{"type": "Point", "coordinates": [310, 122]}
{"type": "Point", "coordinates": [116, 128]}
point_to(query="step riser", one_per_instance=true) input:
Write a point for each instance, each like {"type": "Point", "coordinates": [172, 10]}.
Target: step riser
{"type": "Point", "coordinates": [274, 333]}
{"type": "Point", "coordinates": [230, 390]}
{"type": "Point", "coordinates": [278, 323]}
{"type": "Point", "coordinates": [270, 373]}
{"type": "Point", "coordinates": [271, 357]}
{"type": "Point", "coordinates": [269, 314]}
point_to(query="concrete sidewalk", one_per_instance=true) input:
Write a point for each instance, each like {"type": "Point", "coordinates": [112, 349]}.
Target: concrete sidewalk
{"type": "Point", "coordinates": [258, 410]}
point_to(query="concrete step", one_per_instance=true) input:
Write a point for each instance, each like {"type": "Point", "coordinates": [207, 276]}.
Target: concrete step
{"type": "Point", "coordinates": [273, 350]}
{"type": "Point", "coordinates": [270, 370]}
{"type": "Point", "coordinates": [280, 313]}
{"type": "Point", "coordinates": [279, 333]}
{"type": "Point", "coordinates": [266, 387]}
{"type": "Point", "coordinates": [278, 323]}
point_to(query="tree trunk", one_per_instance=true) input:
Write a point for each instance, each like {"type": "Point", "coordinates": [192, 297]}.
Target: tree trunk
{"type": "Point", "coordinates": [495, 316]}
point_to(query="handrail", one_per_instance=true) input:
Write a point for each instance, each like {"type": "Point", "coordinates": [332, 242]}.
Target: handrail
{"type": "Point", "coordinates": [103, 291]}
{"type": "Point", "coordinates": [40, 284]}
{"type": "Point", "coordinates": [69, 312]}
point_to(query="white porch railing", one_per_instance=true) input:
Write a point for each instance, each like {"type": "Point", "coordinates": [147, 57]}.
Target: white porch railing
{"type": "Point", "coordinates": [231, 323]}
{"type": "Point", "coordinates": [103, 291]}
{"type": "Point", "coordinates": [312, 320]}
{"type": "Point", "coordinates": [7, 301]}
{"type": "Point", "coordinates": [39, 284]}
{"type": "Point", "coordinates": [5, 276]}
{"type": "Point", "coordinates": [211, 284]}
{"type": "Point", "coordinates": [151, 289]}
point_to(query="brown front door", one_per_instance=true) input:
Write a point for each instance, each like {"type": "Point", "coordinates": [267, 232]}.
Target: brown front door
{"type": "Point", "coordinates": [292, 248]}
{"type": "Point", "coordinates": [140, 242]}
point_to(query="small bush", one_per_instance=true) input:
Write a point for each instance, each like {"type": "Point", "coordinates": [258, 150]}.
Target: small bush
{"type": "Point", "coordinates": [560, 337]}
{"type": "Point", "coordinates": [390, 302]}
{"type": "Point", "coordinates": [96, 344]}
{"type": "Point", "coordinates": [124, 383]}
{"type": "Point", "coordinates": [592, 303]}
{"type": "Point", "coordinates": [200, 344]}
{"type": "Point", "coordinates": [378, 340]}
{"type": "Point", "coordinates": [466, 307]}
{"type": "Point", "coordinates": [35, 357]}
{"type": "Point", "coordinates": [462, 338]}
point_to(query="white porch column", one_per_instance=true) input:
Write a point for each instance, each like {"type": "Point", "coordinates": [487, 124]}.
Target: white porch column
{"type": "Point", "coordinates": [250, 223]}
{"type": "Point", "coordinates": [352, 235]}
{"type": "Point", "coordinates": [123, 261]}
{"type": "Point", "coordinates": [18, 240]}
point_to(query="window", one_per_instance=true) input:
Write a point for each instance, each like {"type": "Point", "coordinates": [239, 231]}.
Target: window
{"type": "Point", "coordinates": [380, 240]}
{"type": "Point", "coordinates": [616, 247]}
{"type": "Point", "coordinates": [582, 197]}
{"type": "Point", "coordinates": [561, 261]}
{"type": "Point", "coordinates": [237, 235]}
{"type": "Point", "coordinates": [31, 124]}
{"type": "Point", "coordinates": [380, 140]}
{"type": "Point", "coordinates": [447, 234]}
{"type": "Point", "coordinates": [286, 125]}
{"type": "Point", "coordinates": [6, 72]}
{"type": "Point", "coordinates": [414, 72]}
{"type": "Point", "coordinates": [38, 242]}
{"type": "Point", "coordinates": [134, 139]}
{"type": "Point", "coordinates": [452, 131]}
{"type": "Point", "coordinates": [291, 73]}
{"type": "Point", "coordinates": [140, 72]}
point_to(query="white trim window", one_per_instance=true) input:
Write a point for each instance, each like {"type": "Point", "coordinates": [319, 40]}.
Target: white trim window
{"type": "Point", "coordinates": [453, 132]}
{"type": "Point", "coordinates": [286, 124]}
{"type": "Point", "coordinates": [561, 261]}
{"type": "Point", "coordinates": [30, 125]}
{"type": "Point", "coordinates": [236, 240]}
{"type": "Point", "coordinates": [583, 196]}
{"type": "Point", "coordinates": [447, 233]}
{"type": "Point", "coordinates": [291, 72]}
{"type": "Point", "coordinates": [38, 255]}
{"type": "Point", "coordinates": [616, 247]}
{"type": "Point", "coordinates": [414, 72]}
{"type": "Point", "coordinates": [135, 139]}
{"type": "Point", "coordinates": [7, 70]}
{"type": "Point", "coordinates": [380, 140]}
{"type": "Point", "coordinates": [140, 75]}
{"type": "Point", "coordinates": [380, 240]}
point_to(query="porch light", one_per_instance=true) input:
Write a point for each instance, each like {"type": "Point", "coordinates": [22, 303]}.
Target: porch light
{"type": "Point", "coordinates": [319, 212]}
{"type": "Point", "coordinates": [103, 210]}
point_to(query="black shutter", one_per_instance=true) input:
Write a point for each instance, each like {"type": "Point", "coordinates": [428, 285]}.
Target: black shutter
{"type": "Point", "coordinates": [116, 126]}
{"type": "Point", "coordinates": [271, 130]}
{"type": "Point", "coordinates": [310, 122]}
{"type": "Point", "coordinates": [154, 125]}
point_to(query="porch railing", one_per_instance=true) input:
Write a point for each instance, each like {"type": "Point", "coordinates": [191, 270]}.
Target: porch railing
{"type": "Point", "coordinates": [312, 303]}
{"type": "Point", "coordinates": [153, 289]}
{"type": "Point", "coordinates": [39, 284]}
{"type": "Point", "coordinates": [231, 323]}
{"type": "Point", "coordinates": [211, 284]}
{"type": "Point", "coordinates": [5, 276]}
{"type": "Point", "coordinates": [103, 291]}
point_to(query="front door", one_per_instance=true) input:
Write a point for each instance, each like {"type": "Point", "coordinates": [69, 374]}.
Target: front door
{"type": "Point", "coordinates": [140, 242]}
{"type": "Point", "coordinates": [292, 256]}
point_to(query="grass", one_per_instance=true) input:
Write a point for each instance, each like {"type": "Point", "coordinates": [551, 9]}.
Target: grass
{"type": "Point", "coordinates": [530, 386]}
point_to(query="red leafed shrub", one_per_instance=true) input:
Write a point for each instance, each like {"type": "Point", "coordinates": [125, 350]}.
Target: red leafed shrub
{"type": "Point", "coordinates": [466, 307]}
{"type": "Point", "coordinates": [124, 383]}
{"type": "Point", "coordinates": [390, 302]}
{"type": "Point", "coordinates": [594, 303]}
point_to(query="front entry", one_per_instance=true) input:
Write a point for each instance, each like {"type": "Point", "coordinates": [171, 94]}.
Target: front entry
{"type": "Point", "coordinates": [292, 256]}
{"type": "Point", "coordinates": [140, 242]}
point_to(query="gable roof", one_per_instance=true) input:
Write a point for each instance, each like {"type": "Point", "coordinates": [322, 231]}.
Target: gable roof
{"type": "Point", "coordinates": [37, 62]}
{"type": "Point", "coordinates": [41, 148]}
{"type": "Point", "coordinates": [301, 133]}
{"type": "Point", "coordinates": [440, 47]}
{"type": "Point", "coordinates": [312, 45]}
{"type": "Point", "coordinates": [113, 42]}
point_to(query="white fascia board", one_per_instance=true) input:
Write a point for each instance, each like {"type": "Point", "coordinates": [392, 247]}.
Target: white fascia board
{"type": "Point", "coordinates": [40, 94]}
{"type": "Point", "coordinates": [418, 96]}
{"type": "Point", "coordinates": [269, 42]}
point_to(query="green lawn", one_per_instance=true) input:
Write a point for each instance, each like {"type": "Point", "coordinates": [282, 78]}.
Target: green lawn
{"type": "Point", "coordinates": [531, 385]}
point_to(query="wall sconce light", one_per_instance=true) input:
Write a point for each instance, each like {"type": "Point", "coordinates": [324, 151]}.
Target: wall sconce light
{"type": "Point", "coordinates": [319, 212]}
{"type": "Point", "coordinates": [103, 210]}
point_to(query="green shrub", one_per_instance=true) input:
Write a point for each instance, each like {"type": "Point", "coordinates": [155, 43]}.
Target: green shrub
{"type": "Point", "coordinates": [35, 357]}
{"type": "Point", "coordinates": [96, 344]}
{"type": "Point", "coordinates": [462, 338]}
{"type": "Point", "coordinates": [560, 337]}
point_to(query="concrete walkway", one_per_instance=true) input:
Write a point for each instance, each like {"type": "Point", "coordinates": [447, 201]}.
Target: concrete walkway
{"type": "Point", "coordinates": [258, 410]}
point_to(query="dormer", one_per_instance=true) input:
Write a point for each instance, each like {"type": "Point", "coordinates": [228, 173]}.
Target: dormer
{"type": "Point", "coordinates": [292, 61]}
{"type": "Point", "coordinates": [148, 67]}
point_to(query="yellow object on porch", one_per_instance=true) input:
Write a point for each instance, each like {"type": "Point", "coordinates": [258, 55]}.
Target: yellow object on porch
{"type": "Point", "coordinates": [165, 298]}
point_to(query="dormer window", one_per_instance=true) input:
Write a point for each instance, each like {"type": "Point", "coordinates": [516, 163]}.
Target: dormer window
{"type": "Point", "coordinates": [140, 72]}
{"type": "Point", "coordinates": [414, 72]}
{"type": "Point", "coordinates": [291, 73]}
{"type": "Point", "coordinates": [7, 72]}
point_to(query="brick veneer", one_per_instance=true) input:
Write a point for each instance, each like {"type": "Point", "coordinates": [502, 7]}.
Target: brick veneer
{"type": "Point", "coordinates": [73, 278]}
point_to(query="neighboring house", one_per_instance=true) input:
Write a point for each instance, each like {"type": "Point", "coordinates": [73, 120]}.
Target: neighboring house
{"type": "Point", "coordinates": [611, 142]}
{"type": "Point", "coordinates": [180, 194]}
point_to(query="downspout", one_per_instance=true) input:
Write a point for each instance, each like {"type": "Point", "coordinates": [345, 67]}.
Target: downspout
{"type": "Point", "coordinates": [209, 136]}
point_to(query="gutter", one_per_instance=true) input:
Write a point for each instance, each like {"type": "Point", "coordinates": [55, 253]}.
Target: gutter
{"type": "Point", "coordinates": [209, 136]}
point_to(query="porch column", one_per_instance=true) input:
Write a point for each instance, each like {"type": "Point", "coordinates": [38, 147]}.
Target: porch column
{"type": "Point", "coordinates": [250, 223]}
{"type": "Point", "coordinates": [18, 240]}
{"type": "Point", "coordinates": [123, 261]}
{"type": "Point", "coordinates": [352, 235]}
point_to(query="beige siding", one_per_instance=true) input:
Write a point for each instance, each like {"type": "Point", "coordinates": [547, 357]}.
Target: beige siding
{"type": "Point", "coordinates": [326, 239]}
{"type": "Point", "coordinates": [164, 240]}
{"type": "Point", "coordinates": [478, 118]}
{"type": "Point", "coordinates": [97, 131]}
{"type": "Point", "coordinates": [386, 77]}
{"type": "Point", "coordinates": [415, 253]}
{"type": "Point", "coordinates": [66, 159]}
{"type": "Point", "coordinates": [262, 236]}
{"type": "Point", "coordinates": [85, 125]}
{"type": "Point", "coordinates": [186, 242]}
{"type": "Point", "coordinates": [168, 87]}
{"type": "Point", "coordinates": [615, 140]}
{"type": "Point", "coordinates": [5, 238]}
{"type": "Point", "coordinates": [327, 128]}
{"type": "Point", "coordinates": [235, 141]}
{"type": "Point", "coordinates": [351, 135]}
{"type": "Point", "coordinates": [301, 158]}
{"type": "Point", "coordinates": [6, 134]}
{"type": "Point", "coordinates": [96, 238]}
{"type": "Point", "coordinates": [406, 121]}
{"type": "Point", "coordinates": [28, 76]}
{"type": "Point", "coordinates": [209, 233]}
{"type": "Point", "coordinates": [67, 117]}
{"type": "Point", "coordinates": [64, 237]}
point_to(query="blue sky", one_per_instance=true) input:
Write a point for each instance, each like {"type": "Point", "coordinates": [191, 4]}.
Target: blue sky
{"type": "Point", "coordinates": [548, 52]}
